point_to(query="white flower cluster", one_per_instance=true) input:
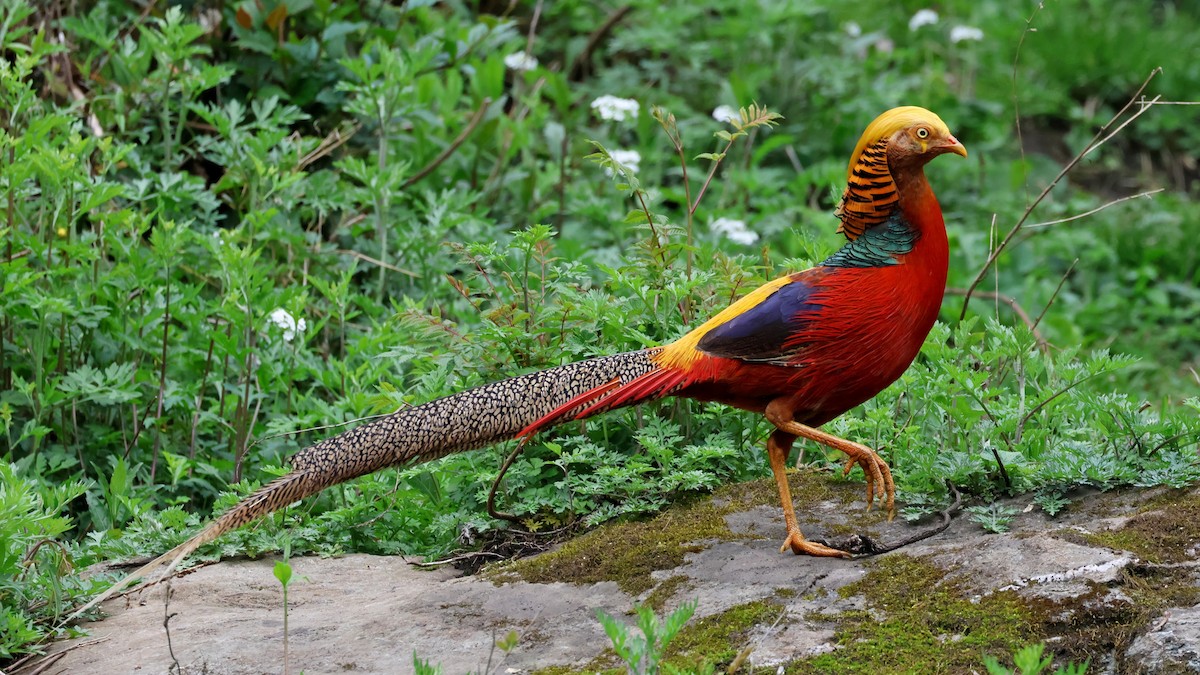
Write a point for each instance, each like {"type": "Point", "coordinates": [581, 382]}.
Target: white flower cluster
{"type": "Point", "coordinates": [965, 33]}
{"type": "Point", "coordinates": [923, 17]}
{"type": "Point", "coordinates": [726, 113]}
{"type": "Point", "coordinates": [928, 17]}
{"type": "Point", "coordinates": [520, 61]}
{"type": "Point", "coordinates": [631, 159]}
{"type": "Point", "coordinates": [734, 230]}
{"type": "Point", "coordinates": [284, 319]}
{"type": "Point", "coordinates": [610, 107]}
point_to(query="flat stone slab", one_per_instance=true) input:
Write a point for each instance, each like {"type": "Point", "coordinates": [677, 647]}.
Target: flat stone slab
{"type": "Point", "coordinates": [368, 614]}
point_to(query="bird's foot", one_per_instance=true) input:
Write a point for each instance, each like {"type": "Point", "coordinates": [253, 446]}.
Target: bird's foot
{"type": "Point", "coordinates": [801, 546]}
{"type": "Point", "coordinates": [879, 476]}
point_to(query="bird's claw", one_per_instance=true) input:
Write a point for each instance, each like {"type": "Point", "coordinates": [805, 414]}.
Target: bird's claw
{"type": "Point", "coordinates": [878, 474]}
{"type": "Point", "coordinates": [801, 546]}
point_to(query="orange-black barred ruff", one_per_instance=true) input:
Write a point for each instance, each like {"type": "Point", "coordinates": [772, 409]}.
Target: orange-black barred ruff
{"type": "Point", "coordinates": [870, 195]}
{"type": "Point", "coordinates": [465, 421]}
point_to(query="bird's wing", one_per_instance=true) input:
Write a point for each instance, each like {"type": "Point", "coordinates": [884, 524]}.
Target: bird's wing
{"type": "Point", "coordinates": [767, 331]}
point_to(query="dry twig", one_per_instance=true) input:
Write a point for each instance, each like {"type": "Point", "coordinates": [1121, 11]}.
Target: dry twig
{"type": "Point", "coordinates": [1102, 136]}
{"type": "Point", "coordinates": [862, 545]}
{"type": "Point", "coordinates": [1015, 306]}
{"type": "Point", "coordinates": [575, 72]}
{"type": "Point", "coordinates": [428, 169]}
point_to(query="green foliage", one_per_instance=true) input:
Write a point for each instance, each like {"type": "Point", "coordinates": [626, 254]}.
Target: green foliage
{"type": "Point", "coordinates": [643, 653]}
{"type": "Point", "coordinates": [1051, 501]}
{"type": "Point", "coordinates": [505, 644]}
{"type": "Point", "coordinates": [1028, 661]}
{"type": "Point", "coordinates": [37, 585]}
{"type": "Point", "coordinates": [283, 574]}
{"type": "Point", "coordinates": [994, 518]}
{"type": "Point", "coordinates": [423, 667]}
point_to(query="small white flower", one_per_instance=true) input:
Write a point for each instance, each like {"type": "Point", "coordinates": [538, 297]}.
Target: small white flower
{"type": "Point", "coordinates": [734, 230]}
{"type": "Point", "coordinates": [613, 108]}
{"type": "Point", "coordinates": [631, 159]}
{"type": "Point", "coordinates": [960, 33]}
{"type": "Point", "coordinates": [853, 29]}
{"type": "Point", "coordinates": [923, 17]}
{"type": "Point", "coordinates": [209, 19]}
{"type": "Point", "coordinates": [282, 318]}
{"type": "Point", "coordinates": [520, 61]}
{"type": "Point", "coordinates": [726, 113]}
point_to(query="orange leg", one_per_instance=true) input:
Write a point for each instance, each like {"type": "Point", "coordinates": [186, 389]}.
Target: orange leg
{"type": "Point", "coordinates": [778, 446]}
{"type": "Point", "coordinates": [879, 476]}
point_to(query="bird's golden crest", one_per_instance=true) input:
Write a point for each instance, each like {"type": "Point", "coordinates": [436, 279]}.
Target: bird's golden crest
{"type": "Point", "coordinates": [870, 195]}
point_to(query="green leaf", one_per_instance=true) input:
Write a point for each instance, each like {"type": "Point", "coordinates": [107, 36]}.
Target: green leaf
{"type": "Point", "coordinates": [283, 572]}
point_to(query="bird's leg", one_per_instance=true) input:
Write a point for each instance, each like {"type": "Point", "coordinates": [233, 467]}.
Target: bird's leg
{"type": "Point", "coordinates": [879, 476]}
{"type": "Point", "coordinates": [778, 446]}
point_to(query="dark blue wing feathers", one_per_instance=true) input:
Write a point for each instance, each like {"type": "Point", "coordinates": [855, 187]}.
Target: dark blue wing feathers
{"type": "Point", "coordinates": [761, 333]}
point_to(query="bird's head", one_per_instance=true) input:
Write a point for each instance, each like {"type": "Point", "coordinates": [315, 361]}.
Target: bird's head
{"type": "Point", "coordinates": [914, 136]}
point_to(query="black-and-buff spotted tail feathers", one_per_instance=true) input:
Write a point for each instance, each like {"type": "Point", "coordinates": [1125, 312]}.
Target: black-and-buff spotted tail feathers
{"type": "Point", "coordinates": [472, 419]}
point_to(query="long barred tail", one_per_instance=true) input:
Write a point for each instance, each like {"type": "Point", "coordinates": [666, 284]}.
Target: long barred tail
{"type": "Point", "coordinates": [465, 421]}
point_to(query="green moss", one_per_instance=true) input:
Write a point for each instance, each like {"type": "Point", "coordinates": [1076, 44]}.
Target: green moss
{"type": "Point", "coordinates": [601, 665]}
{"type": "Point", "coordinates": [1095, 624]}
{"type": "Point", "coordinates": [628, 552]}
{"type": "Point", "coordinates": [717, 639]}
{"type": "Point", "coordinates": [666, 590]}
{"type": "Point", "coordinates": [920, 621]}
{"type": "Point", "coordinates": [1165, 531]}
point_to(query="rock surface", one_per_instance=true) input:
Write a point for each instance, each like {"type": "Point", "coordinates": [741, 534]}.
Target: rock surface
{"type": "Point", "coordinates": [364, 614]}
{"type": "Point", "coordinates": [1172, 644]}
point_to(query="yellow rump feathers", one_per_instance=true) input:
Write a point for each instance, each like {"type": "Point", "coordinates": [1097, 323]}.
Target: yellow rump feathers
{"type": "Point", "coordinates": [682, 352]}
{"type": "Point", "coordinates": [889, 123]}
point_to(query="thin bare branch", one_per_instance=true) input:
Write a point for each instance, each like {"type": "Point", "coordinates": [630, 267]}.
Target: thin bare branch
{"type": "Point", "coordinates": [26, 665]}
{"type": "Point", "coordinates": [1029, 415]}
{"type": "Point", "coordinates": [366, 258]}
{"type": "Point", "coordinates": [1101, 136]}
{"type": "Point", "coordinates": [1053, 296]}
{"type": "Point", "coordinates": [575, 72]}
{"type": "Point", "coordinates": [1016, 308]}
{"type": "Point", "coordinates": [1098, 209]}
{"type": "Point", "coordinates": [1145, 105]}
{"type": "Point", "coordinates": [332, 141]}
{"type": "Point", "coordinates": [1015, 91]}
{"type": "Point", "coordinates": [428, 169]}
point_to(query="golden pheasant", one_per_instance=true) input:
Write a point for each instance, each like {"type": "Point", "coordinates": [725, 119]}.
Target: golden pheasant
{"type": "Point", "coordinates": [801, 350]}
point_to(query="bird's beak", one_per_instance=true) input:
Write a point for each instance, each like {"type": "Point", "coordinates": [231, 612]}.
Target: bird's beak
{"type": "Point", "coordinates": [952, 145]}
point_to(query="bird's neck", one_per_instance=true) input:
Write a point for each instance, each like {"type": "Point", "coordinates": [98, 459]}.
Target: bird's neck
{"type": "Point", "coordinates": [911, 233]}
{"type": "Point", "coordinates": [922, 212]}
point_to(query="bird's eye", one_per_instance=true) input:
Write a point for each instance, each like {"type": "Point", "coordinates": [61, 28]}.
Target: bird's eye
{"type": "Point", "coordinates": [922, 132]}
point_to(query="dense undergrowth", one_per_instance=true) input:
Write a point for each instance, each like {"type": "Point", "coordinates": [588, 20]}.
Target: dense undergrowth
{"type": "Point", "coordinates": [228, 225]}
